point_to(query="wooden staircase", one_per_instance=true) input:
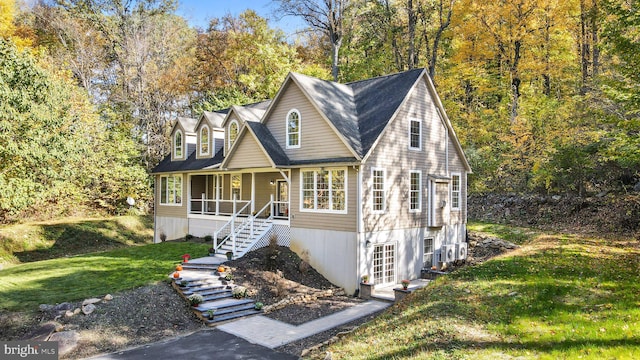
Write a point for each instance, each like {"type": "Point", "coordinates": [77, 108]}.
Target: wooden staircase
{"type": "Point", "coordinates": [205, 280]}
{"type": "Point", "coordinates": [241, 233]}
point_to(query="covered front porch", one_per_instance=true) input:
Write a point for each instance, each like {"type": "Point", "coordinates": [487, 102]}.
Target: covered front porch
{"type": "Point", "coordinates": [261, 193]}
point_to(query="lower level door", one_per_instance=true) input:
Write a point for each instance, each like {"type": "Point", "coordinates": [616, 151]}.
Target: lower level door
{"type": "Point", "coordinates": [384, 264]}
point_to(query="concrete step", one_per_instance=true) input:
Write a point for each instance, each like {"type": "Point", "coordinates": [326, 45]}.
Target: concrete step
{"type": "Point", "coordinates": [200, 290]}
{"type": "Point", "coordinates": [217, 319]}
{"type": "Point", "coordinates": [223, 295]}
{"type": "Point", "coordinates": [231, 309]}
{"type": "Point", "coordinates": [194, 266]}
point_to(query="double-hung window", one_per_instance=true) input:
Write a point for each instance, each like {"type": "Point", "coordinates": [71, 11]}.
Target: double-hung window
{"type": "Point", "coordinates": [324, 190]}
{"type": "Point", "coordinates": [415, 134]}
{"type": "Point", "coordinates": [171, 190]}
{"type": "Point", "coordinates": [415, 191]}
{"type": "Point", "coordinates": [293, 129]}
{"type": "Point", "coordinates": [455, 191]}
{"type": "Point", "coordinates": [378, 190]}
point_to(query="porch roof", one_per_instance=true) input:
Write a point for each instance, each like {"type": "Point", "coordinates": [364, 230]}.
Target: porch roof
{"type": "Point", "coordinates": [191, 163]}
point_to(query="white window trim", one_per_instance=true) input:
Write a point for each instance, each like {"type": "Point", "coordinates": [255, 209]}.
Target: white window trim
{"type": "Point", "coordinates": [181, 190]}
{"type": "Point", "coordinates": [459, 195]}
{"type": "Point", "coordinates": [315, 175]}
{"type": "Point", "coordinates": [433, 249]}
{"type": "Point", "coordinates": [229, 142]}
{"type": "Point", "coordinates": [208, 152]}
{"type": "Point", "coordinates": [395, 245]}
{"type": "Point", "coordinates": [231, 186]}
{"type": "Point", "coordinates": [384, 191]}
{"type": "Point", "coordinates": [286, 127]}
{"type": "Point", "coordinates": [175, 146]}
{"type": "Point", "coordinates": [419, 148]}
{"type": "Point", "coordinates": [419, 209]}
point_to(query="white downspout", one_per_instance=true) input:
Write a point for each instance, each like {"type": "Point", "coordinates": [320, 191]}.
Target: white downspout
{"type": "Point", "coordinates": [359, 237]}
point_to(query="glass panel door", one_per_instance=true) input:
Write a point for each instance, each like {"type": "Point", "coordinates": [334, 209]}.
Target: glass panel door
{"type": "Point", "coordinates": [282, 208]}
{"type": "Point", "coordinates": [384, 264]}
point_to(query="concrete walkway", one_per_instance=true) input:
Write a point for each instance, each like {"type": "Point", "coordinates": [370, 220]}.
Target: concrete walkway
{"type": "Point", "coordinates": [271, 333]}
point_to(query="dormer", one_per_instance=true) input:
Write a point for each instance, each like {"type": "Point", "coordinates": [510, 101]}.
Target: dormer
{"type": "Point", "coordinates": [183, 138]}
{"type": "Point", "coordinates": [237, 116]}
{"type": "Point", "coordinates": [210, 134]}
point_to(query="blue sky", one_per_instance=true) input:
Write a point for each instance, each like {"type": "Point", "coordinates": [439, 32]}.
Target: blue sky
{"type": "Point", "coordinates": [198, 12]}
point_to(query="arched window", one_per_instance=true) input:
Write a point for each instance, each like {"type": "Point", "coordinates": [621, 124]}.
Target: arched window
{"type": "Point", "coordinates": [177, 145]}
{"type": "Point", "coordinates": [204, 140]}
{"type": "Point", "coordinates": [293, 129]}
{"type": "Point", "coordinates": [233, 132]}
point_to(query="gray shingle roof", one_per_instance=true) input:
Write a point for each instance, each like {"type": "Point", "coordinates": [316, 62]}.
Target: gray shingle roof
{"type": "Point", "coordinates": [214, 118]}
{"type": "Point", "coordinates": [360, 110]}
{"type": "Point", "coordinates": [188, 124]}
{"type": "Point", "coordinates": [191, 163]}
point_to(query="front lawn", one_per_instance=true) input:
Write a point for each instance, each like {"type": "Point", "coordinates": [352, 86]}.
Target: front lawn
{"type": "Point", "coordinates": [34, 241]}
{"type": "Point", "coordinates": [25, 286]}
{"type": "Point", "coordinates": [557, 297]}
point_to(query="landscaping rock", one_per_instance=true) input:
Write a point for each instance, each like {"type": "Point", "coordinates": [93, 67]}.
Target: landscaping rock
{"type": "Point", "coordinates": [69, 313]}
{"type": "Point", "coordinates": [77, 311]}
{"type": "Point", "coordinates": [91, 301]}
{"type": "Point", "coordinates": [43, 332]}
{"type": "Point", "coordinates": [64, 306]}
{"type": "Point", "coordinates": [108, 297]}
{"type": "Point", "coordinates": [67, 341]}
{"type": "Point", "coordinates": [45, 307]}
{"type": "Point", "coordinates": [88, 309]}
{"type": "Point", "coordinates": [636, 188]}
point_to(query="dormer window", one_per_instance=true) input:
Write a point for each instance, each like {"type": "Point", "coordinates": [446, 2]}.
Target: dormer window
{"type": "Point", "coordinates": [233, 132]}
{"type": "Point", "coordinates": [204, 140]}
{"type": "Point", "coordinates": [293, 129]}
{"type": "Point", "coordinates": [177, 145]}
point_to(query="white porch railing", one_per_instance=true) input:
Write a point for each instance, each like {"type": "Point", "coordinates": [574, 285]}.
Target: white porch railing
{"type": "Point", "coordinates": [239, 234]}
{"type": "Point", "coordinates": [218, 207]}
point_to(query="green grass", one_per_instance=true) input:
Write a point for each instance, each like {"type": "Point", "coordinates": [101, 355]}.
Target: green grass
{"type": "Point", "coordinates": [47, 240]}
{"type": "Point", "coordinates": [25, 286]}
{"type": "Point", "coordinates": [557, 297]}
{"type": "Point", "coordinates": [516, 235]}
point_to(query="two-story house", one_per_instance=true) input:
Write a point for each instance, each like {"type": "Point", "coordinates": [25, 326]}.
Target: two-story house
{"type": "Point", "coordinates": [366, 178]}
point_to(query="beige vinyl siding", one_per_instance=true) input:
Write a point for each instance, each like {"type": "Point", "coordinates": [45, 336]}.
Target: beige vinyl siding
{"type": "Point", "coordinates": [172, 211]}
{"type": "Point", "coordinates": [248, 154]}
{"type": "Point", "coordinates": [226, 187]}
{"type": "Point", "coordinates": [264, 189]}
{"type": "Point", "coordinates": [245, 187]}
{"type": "Point", "coordinates": [457, 166]}
{"type": "Point", "coordinates": [320, 220]}
{"type": "Point", "coordinates": [317, 139]}
{"type": "Point", "coordinates": [394, 145]}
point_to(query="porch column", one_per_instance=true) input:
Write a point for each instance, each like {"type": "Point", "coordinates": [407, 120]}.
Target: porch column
{"type": "Point", "coordinates": [253, 192]}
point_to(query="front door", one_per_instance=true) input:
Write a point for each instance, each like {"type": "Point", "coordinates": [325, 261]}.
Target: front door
{"type": "Point", "coordinates": [282, 198]}
{"type": "Point", "coordinates": [384, 264]}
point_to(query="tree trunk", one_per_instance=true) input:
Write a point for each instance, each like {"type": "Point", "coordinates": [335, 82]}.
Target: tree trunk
{"type": "Point", "coordinates": [444, 24]}
{"type": "Point", "coordinates": [411, 56]}
{"type": "Point", "coordinates": [594, 37]}
{"type": "Point", "coordinates": [515, 80]}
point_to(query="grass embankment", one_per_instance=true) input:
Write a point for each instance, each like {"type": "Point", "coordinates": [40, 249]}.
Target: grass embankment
{"type": "Point", "coordinates": [29, 242]}
{"type": "Point", "coordinates": [557, 297]}
{"type": "Point", "coordinates": [134, 262]}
